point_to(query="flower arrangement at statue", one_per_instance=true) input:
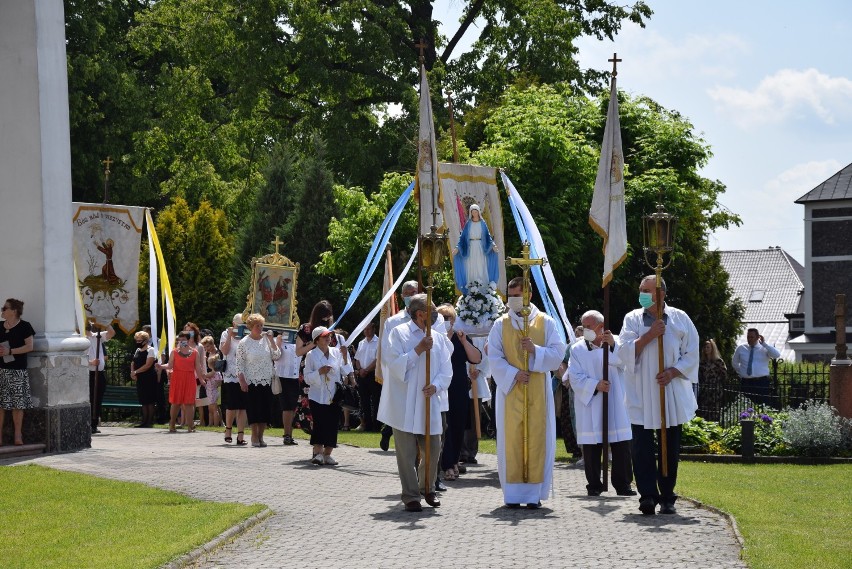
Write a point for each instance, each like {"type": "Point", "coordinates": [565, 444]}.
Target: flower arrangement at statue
{"type": "Point", "coordinates": [481, 306]}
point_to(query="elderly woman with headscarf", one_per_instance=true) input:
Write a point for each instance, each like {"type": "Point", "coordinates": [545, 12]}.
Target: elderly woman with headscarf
{"type": "Point", "coordinates": [255, 369]}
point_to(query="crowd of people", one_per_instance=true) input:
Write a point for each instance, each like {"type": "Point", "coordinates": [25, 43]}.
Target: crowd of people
{"type": "Point", "coordinates": [415, 387]}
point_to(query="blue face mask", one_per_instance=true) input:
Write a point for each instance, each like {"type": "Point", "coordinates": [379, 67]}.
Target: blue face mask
{"type": "Point", "coordinates": [646, 299]}
{"type": "Point", "coordinates": [406, 300]}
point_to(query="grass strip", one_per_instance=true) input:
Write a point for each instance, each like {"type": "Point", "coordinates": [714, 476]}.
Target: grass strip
{"type": "Point", "coordinates": [53, 518]}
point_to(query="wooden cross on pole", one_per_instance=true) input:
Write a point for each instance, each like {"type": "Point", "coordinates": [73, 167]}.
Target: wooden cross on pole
{"type": "Point", "coordinates": [106, 164]}
{"type": "Point", "coordinates": [525, 262]}
{"type": "Point", "coordinates": [615, 61]}
{"type": "Point", "coordinates": [421, 47]}
{"type": "Point", "coordinates": [277, 242]}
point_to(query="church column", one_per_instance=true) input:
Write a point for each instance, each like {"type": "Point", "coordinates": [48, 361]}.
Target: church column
{"type": "Point", "coordinates": [35, 217]}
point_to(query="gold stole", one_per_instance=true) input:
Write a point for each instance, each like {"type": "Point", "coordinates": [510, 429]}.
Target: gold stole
{"type": "Point", "coordinates": [513, 423]}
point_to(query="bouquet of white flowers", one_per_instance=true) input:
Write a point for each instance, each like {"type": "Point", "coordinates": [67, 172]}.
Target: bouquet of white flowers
{"type": "Point", "coordinates": [481, 306]}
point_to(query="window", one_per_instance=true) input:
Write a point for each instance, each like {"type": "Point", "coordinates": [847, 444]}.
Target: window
{"type": "Point", "coordinates": [757, 295]}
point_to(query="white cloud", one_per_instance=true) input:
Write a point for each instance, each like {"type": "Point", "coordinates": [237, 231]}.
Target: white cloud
{"type": "Point", "coordinates": [789, 93]}
{"type": "Point", "coordinates": [653, 57]}
{"type": "Point", "coordinates": [795, 182]}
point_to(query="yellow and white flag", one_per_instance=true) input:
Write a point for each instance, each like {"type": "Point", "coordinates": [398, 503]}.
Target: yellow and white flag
{"type": "Point", "coordinates": [428, 185]}
{"type": "Point", "coordinates": [606, 216]}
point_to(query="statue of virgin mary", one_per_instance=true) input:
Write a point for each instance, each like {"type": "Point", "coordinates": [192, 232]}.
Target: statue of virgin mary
{"type": "Point", "coordinates": [475, 256]}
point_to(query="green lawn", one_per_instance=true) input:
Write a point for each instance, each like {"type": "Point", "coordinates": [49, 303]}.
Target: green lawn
{"type": "Point", "coordinates": [791, 516]}
{"type": "Point", "coordinates": [61, 519]}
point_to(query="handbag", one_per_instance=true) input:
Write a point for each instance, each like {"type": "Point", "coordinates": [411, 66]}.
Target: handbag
{"type": "Point", "coordinates": [220, 365]}
{"type": "Point", "coordinates": [276, 385]}
{"type": "Point", "coordinates": [347, 397]}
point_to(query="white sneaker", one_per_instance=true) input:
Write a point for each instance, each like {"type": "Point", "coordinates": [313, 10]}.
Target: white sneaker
{"type": "Point", "coordinates": [317, 459]}
{"type": "Point", "coordinates": [329, 461]}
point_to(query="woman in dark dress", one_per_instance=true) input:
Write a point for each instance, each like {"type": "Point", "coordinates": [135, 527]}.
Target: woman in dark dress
{"type": "Point", "coordinates": [711, 380]}
{"type": "Point", "coordinates": [458, 416]}
{"type": "Point", "coordinates": [321, 315]}
{"type": "Point", "coordinates": [142, 371]}
{"type": "Point", "coordinates": [16, 341]}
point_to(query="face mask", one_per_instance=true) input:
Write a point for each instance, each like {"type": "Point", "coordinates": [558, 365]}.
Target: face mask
{"type": "Point", "coordinates": [589, 335]}
{"type": "Point", "coordinates": [191, 334]}
{"type": "Point", "coordinates": [140, 344]}
{"type": "Point", "coordinates": [184, 343]}
{"type": "Point", "coordinates": [646, 299]}
{"type": "Point", "coordinates": [448, 326]}
{"type": "Point", "coordinates": [515, 303]}
{"type": "Point", "coordinates": [406, 300]}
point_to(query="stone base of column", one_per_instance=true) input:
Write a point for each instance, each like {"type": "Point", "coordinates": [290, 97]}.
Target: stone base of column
{"type": "Point", "coordinates": [59, 429]}
{"type": "Point", "coordinates": [840, 387]}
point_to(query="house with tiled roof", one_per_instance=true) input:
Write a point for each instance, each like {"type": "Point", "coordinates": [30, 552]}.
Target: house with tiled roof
{"type": "Point", "coordinates": [828, 264]}
{"type": "Point", "coordinates": [770, 283]}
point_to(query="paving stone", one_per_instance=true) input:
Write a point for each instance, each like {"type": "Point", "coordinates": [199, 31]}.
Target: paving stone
{"type": "Point", "coordinates": [351, 515]}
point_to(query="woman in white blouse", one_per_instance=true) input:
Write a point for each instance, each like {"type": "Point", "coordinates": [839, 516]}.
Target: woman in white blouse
{"type": "Point", "coordinates": [323, 369]}
{"type": "Point", "coordinates": [255, 354]}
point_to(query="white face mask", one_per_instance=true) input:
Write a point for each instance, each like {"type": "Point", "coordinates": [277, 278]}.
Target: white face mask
{"type": "Point", "coordinates": [515, 303]}
{"type": "Point", "coordinates": [589, 335]}
{"type": "Point", "coordinates": [448, 326]}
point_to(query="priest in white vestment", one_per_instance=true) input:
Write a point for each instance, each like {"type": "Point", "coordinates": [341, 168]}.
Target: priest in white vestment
{"type": "Point", "coordinates": [638, 342]}
{"type": "Point", "coordinates": [403, 402]}
{"type": "Point", "coordinates": [546, 349]}
{"type": "Point", "coordinates": [585, 372]}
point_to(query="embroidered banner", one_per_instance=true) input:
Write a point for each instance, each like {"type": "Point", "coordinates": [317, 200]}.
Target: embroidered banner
{"type": "Point", "coordinates": [106, 253]}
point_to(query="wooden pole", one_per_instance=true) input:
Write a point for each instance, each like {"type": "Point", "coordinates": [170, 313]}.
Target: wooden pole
{"type": "Point", "coordinates": [475, 392]}
{"type": "Point", "coordinates": [426, 453]}
{"type": "Point", "coordinates": [605, 398]}
{"type": "Point", "coordinates": [664, 453]}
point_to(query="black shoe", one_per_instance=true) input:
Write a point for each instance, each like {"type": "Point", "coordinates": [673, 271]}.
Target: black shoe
{"type": "Point", "coordinates": [468, 461]}
{"type": "Point", "coordinates": [668, 508]}
{"type": "Point", "coordinates": [512, 506]}
{"type": "Point", "coordinates": [593, 492]}
{"type": "Point", "coordinates": [439, 486]}
{"type": "Point", "coordinates": [413, 506]}
{"type": "Point", "coordinates": [384, 444]}
{"type": "Point", "coordinates": [288, 440]}
{"type": "Point", "coordinates": [647, 506]}
{"type": "Point", "coordinates": [535, 506]}
{"type": "Point", "coordinates": [627, 492]}
{"type": "Point", "coordinates": [462, 469]}
{"type": "Point", "coordinates": [95, 431]}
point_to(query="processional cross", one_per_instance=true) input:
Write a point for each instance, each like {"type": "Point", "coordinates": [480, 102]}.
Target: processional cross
{"type": "Point", "coordinates": [525, 262]}
{"type": "Point", "coordinates": [277, 242]}
{"type": "Point", "coordinates": [615, 61]}
{"type": "Point", "coordinates": [106, 164]}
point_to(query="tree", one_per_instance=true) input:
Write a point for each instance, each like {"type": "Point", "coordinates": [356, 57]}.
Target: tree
{"type": "Point", "coordinates": [548, 138]}
{"type": "Point", "coordinates": [198, 249]}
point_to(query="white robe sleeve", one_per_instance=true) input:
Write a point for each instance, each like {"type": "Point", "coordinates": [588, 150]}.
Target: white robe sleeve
{"type": "Point", "coordinates": [687, 362]}
{"type": "Point", "coordinates": [581, 374]}
{"type": "Point", "coordinates": [501, 370]}
{"type": "Point", "coordinates": [548, 357]}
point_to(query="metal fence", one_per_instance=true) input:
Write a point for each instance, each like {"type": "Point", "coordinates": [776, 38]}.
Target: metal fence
{"type": "Point", "coordinates": [791, 384]}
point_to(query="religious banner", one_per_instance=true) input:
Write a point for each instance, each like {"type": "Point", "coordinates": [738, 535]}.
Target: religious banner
{"type": "Point", "coordinates": [428, 185]}
{"type": "Point", "coordinates": [106, 254]}
{"type": "Point", "coordinates": [273, 290]}
{"type": "Point", "coordinates": [606, 215]}
{"type": "Point", "coordinates": [465, 185]}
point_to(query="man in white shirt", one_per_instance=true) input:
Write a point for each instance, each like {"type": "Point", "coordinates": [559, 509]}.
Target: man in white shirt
{"type": "Point", "coordinates": [638, 344]}
{"type": "Point", "coordinates": [531, 484]}
{"type": "Point", "coordinates": [751, 362]}
{"type": "Point", "coordinates": [585, 371]}
{"type": "Point", "coordinates": [368, 389]}
{"type": "Point", "coordinates": [97, 362]}
{"type": "Point", "coordinates": [287, 369]}
{"type": "Point", "coordinates": [409, 289]}
{"type": "Point", "coordinates": [403, 402]}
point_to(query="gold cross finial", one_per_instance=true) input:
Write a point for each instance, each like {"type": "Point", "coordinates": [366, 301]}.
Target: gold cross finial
{"type": "Point", "coordinates": [277, 242]}
{"type": "Point", "coordinates": [615, 60]}
{"type": "Point", "coordinates": [525, 263]}
{"type": "Point", "coordinates": [106, 164]}
{"type": "Point", "coordinates": [421, 46]}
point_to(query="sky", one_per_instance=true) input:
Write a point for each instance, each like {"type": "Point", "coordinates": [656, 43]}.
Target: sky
{"type": "Point", "coordinates": [766, 84]}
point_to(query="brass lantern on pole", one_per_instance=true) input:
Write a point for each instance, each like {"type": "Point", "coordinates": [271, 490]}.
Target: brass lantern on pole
{"type": "Point", "coordinates": [658, 231]}
{"type": "Point", "coordinates": [433, 247]}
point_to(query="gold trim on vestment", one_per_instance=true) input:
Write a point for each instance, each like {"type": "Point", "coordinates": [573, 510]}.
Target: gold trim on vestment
{"type": "Point", "coordinates": [514, 408]}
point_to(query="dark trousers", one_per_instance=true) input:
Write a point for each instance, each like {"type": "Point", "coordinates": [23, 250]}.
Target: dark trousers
{"type": "Point", "coordinates": [97, 388]}
{"type": "Point", "coordinates": [369, 393]}
{"type": "Point", "coordinates": [457, 422]}
{"type": "Point", "coordinates": [647, 468]}
{"type": "Point", "coordinates": [622, 471]}
{"type": "Point", "coordinates": [325, 424]}
{"type": "Point", "coordinates": [758, 389]}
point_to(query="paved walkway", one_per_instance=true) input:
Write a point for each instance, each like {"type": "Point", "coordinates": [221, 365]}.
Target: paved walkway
{"type": "Point", "coordinates": [350, 515]}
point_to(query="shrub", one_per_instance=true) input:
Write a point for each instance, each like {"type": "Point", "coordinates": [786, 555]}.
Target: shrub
{"type": "Point", "coordinates": [700, 433]}
{"type": "Point", "coordinates": [816, 429]}
{"type": "Point", "coordinates": [768, 438]}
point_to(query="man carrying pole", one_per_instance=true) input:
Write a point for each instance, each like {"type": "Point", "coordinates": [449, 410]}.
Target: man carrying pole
{"type": "Point", "coordinates": [644, 377]}
{"type": "Point", "coordinates": [523, 346]}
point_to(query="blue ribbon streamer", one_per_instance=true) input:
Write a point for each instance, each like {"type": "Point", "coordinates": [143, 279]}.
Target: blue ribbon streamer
{"type": "Point", "coordinates": [377, 249]}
